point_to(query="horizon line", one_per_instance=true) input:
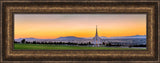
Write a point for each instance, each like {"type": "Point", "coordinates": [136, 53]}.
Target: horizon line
{"type": "Point", "coordinates": [79, 37]}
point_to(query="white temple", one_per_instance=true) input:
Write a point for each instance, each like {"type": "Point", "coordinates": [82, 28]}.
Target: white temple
{"type": "Point", "coordinates": [96, 39]}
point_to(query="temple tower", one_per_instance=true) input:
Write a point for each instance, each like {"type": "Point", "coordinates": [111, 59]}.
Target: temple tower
{"type": "Point", "coordinates": [96, 39]}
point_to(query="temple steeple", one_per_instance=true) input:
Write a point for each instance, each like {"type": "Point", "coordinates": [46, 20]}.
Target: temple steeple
{"type": "Point", "coordinates": [96, 31]}
{"type": "Point", "coordinates": [96, 39]}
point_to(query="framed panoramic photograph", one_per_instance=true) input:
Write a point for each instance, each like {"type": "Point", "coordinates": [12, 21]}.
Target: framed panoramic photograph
{"type": "Point", "coordinates": [79, 31]}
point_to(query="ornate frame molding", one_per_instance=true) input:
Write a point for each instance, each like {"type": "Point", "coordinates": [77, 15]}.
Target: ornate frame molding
{"type": "Point", "coordinates": [11, 8]}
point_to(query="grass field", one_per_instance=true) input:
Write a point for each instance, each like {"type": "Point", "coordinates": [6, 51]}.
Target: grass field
{"type": "Point", "coordinates": [63, 47]}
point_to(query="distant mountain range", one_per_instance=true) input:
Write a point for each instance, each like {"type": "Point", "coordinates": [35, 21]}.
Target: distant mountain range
{"type": "Point", "coordinates": [60, 38]}
{"type": "Point", "coordinates": [78, 38]}
{"type": "Point", "coordinates": [69, 38]}
{"type": "Point", "coordinates": [125, 37]}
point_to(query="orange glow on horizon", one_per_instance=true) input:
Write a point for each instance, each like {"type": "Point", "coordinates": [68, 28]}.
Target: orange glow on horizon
{"type": "Point", "coordinates": [51, 26]}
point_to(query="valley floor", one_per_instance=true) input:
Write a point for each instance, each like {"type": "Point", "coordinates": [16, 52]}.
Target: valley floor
{"type": "Point", "coordinates": [66, 47]}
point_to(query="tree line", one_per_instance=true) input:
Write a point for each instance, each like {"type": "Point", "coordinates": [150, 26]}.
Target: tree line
{"type": "Point", "coordinates": [80, 44]}
{"type": "Point", "coordinates": [55, 43]}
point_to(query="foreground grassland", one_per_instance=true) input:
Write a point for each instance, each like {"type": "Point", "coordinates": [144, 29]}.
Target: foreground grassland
{"type": "Point", "coordinates": [63, 47]}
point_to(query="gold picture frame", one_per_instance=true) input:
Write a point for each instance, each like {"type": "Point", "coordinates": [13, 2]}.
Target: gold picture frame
{"type": "Point", "coordinates": [9, 8]}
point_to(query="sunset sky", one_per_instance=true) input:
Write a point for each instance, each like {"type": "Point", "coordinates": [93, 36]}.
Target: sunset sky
{"type": "Point", "coordinates": [51, 26]}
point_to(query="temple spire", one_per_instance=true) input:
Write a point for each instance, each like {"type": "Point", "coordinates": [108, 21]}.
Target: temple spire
{"type": "Point", "coordinates": [96, 39]}
{"type": "Point", "coordinates": [96, 31]}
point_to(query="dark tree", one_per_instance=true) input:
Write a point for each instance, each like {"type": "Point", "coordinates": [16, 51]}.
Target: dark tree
{"type": "Point", "coordinates": [103, 43]}
{"type": "Point", "coordinates": [34, 42]}
{"type": "Point", "coordinates": [23, 41]}
{"type": "Point", "coordinates": [129, 46]}
{"type": "Point", "coordinates": [15, 41]}
{"type": "Point", "coordinates": [27, 42]}
{"type": "Point", "coordinates": [109, 44]}
{"type": "Point", "coordinates": [89, 43]}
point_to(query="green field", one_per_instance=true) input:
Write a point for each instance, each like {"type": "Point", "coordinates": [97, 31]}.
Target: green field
{"type": "Point", "coordinates": [63, 47]}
